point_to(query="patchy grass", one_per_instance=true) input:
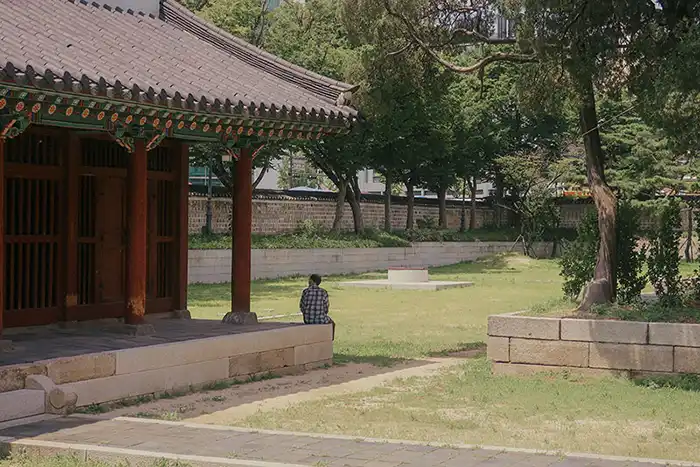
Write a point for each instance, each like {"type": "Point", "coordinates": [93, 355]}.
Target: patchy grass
{"type": "Point", "coordinates": [381, 326]}
{"type": "Point", "coordinates": [656, 418]}
{"type": "Point", "coordinates": [76, 461]}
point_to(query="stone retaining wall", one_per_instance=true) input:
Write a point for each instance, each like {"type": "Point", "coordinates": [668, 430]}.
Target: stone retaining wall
{"type": "Point", "coordinates": [214, 266]}
{"type": "Point", "coordinates": [115, 375]}
{"type": "Point", "coordinates": [523, 344]}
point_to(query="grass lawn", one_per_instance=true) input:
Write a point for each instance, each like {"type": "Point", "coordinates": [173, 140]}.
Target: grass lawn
{"type": "Point", "coordinates": [380, 325]}
{"type": "Point", "coordinates": [470, 405]}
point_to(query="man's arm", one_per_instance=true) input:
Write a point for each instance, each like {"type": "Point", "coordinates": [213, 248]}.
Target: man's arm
{"type": "Point", "coordinates": [326, 302]}
{"type": "Point", "coordinates": [302, 301]}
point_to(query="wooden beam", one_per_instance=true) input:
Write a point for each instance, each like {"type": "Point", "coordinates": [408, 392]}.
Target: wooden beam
{"type": "Point", "coordinates": [181, 152]}
{"type": "Point", "coordinates": [242, 232]}
{"type": "Point", "coordinates": [72, 161]}
{"type": "Point", "coordinates": [2, 232]}
{"type": "Point", "coordinates": [137, 209]}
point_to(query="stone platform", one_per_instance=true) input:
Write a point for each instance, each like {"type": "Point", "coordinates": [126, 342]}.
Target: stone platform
{"type": "Point", "coordinates": [80, 367]}
{"type": "Point", "coordinates": [407, 279]}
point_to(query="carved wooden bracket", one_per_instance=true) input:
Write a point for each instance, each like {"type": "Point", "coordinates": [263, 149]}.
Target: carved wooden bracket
{"type": "Point", "coordinates": [14, 125]}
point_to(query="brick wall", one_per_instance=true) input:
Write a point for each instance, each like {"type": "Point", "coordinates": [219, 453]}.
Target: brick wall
{"type": "Point", "coordinates": [284, 215]}
{"type": "Point", "coordinates": [525, 344]}
{"type": "Point", "coordinates": [276, 216]}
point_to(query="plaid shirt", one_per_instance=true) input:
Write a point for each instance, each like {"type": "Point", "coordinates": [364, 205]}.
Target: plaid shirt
{"type": "Point", "coordinates": [314, 305]}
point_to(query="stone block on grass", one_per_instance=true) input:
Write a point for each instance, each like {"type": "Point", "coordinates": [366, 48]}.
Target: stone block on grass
{"type": "Point", "coordinates": [684, 335]}
{"type": "Point", "coordinates": [592, 330]}
{"type": "Point", "coordinates": [631, 357]}
{"type": "Point", "coordinates": [498, 349]}
{"type": "Point", "coordinates": [540, 352]}
{"type": "Point", "coordinates": [524, 326]}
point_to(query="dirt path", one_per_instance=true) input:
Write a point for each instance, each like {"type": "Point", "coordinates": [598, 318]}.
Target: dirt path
{"type": "Point", "coordinates": [229, 405]}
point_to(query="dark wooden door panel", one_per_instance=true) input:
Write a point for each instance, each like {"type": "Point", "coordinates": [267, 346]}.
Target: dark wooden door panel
{"type": "Point", "coordinates": [111, 248]}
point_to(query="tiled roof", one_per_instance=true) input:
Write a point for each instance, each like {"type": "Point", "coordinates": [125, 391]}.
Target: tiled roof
{"type": "Point", "coordinates": [176, 60]}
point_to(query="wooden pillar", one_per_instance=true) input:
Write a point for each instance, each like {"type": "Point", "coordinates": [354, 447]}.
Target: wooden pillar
{"type": "Point", "coordinates": [242, 232]}
{"type": "Point", "coordinates": [70, 209]}
{"type": "Point", "coordinates": [183, 187]}
{"type": "Point", "coordinates": [137, 210]}
{"type": "Point", "coordinates": [2, 232]}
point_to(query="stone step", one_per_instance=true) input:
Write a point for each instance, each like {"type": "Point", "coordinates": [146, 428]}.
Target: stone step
{"type": "Point", "coordinates": [21, 404]}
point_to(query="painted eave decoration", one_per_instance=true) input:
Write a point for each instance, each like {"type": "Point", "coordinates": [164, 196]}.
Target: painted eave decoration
{"type": "Point", "coordinates": [90, 66]}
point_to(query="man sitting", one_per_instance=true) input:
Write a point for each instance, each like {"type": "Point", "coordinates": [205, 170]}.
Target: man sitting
{"type": "Point", "coordinates": [314, 303]}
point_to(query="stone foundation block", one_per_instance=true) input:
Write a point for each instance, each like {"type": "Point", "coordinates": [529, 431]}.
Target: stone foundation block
{"type": "Point", "coordinates": [56, 400]}
{"type": "Point", "coordinates": [523, 326]}
{"type": "Point", "coordinates": [81, 367]}
{"type": "Point", "coordinates": [686, 360]}
{"type": "Point", "coordinates": [260, 362]}
{"type": "Point", "coordinates": [311, 353]}
{"type": "Point", "coordinates": [20, 404]}
{"type": "Point", "coordinates": [684, 335]}
{"type": "Point", "coordinates": [236, 317]}
{"type": "Point", "coordinates": [12, 377]}
{"type": "Point", "coordinates": [631, 357]}
{"type": "Point", "coordinates": [590, 330]}
{"type": "Point", "coordinates": [498, 349]}
{"type": "Point", "coordinates": [119, 387]}
{"type": "Point", "coordinates": [561, 353]}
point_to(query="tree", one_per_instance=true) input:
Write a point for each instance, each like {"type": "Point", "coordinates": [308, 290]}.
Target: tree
{"type": "Point", "coordinates": [573, 45]}
{"type": "Point", "coordinates": [221, 161]}
{"type": "Point", "coordinates": [246, 19]}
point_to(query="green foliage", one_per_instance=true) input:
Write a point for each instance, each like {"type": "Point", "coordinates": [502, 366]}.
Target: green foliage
{"type": "Point", "coordinates": [579, 256]}
{"type": "Point", "coordinates": [631, 257]}
{"type": "Point", "coordinates": [664, 260]}
{"type": "Point", "coordinates": [310, 234]}
{"type": "Point", "coordinates": [242, 18]}
{"type": "Point", "coordinates": [655, 312]}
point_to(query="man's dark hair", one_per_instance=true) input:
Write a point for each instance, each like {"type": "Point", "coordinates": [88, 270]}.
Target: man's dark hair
{"type": "Point", "coordinates": [316, 279]}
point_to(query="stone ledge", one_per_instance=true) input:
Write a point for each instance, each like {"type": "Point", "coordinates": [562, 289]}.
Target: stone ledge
{"type": "Point", "coordinates": [589, 330]}
{"type": "Point", "coordinates": [524, 327]}
{"type": "Point", "coordinates": [522, 369]}
{"type": "Point", "coordinates": [558, 353]}
{"type": "Point", "coordinates": [684, 335]}
{"type": "Point", "coordinates": [632, 357]}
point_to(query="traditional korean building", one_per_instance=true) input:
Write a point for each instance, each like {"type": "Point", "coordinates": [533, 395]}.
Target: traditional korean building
{"type": "Point", "coordinates": [98, 104]}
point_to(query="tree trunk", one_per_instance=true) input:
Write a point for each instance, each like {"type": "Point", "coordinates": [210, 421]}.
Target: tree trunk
{"type": "Point", "coordinates": [353, 197]}
{"type": "Point", "coordinates": [340, 205]}
{"type": "Point", "coordinates": [498, 197]}
{"type": "Point", "coordinates": [689, 241]}
{"type": "Point", "coordinates": [463, 210]}
{"type": "Point", "coordinates": [442, 208]}
{"type": "Point", "coordinates": [604, 198]}
{"type": "Point", "coordinates": [387, 201]}
{"type": "Point", "coordinates": [410, 205]}
{"type": "Point", "coordinates": [472, 209]}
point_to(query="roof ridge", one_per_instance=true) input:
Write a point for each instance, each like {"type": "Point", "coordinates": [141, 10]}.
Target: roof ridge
{"type": "Point", "coordinates": [117, 9]}
{"type": "Point", "coordinates": [306, 79]}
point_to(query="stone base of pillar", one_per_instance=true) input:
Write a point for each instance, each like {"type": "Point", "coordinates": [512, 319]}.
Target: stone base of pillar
{"type": "Point", "coordinates": [6, 345]}
{"type": "Point", "coordinates": [237, 317]}
{"type": "Point", "coordinates": [139, 329]}
{"type": "Point", "coordinates": [181, 314]}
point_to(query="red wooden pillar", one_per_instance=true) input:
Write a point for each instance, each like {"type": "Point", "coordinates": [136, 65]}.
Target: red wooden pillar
{"type": "Point", "coordinates": [242, 231]}
{"type": "Point", "coordinates": [2, 232]}
{"type": "Point", "coordinates": [137, 211]}
{"type": "Point", "coordinates": [182, 155]}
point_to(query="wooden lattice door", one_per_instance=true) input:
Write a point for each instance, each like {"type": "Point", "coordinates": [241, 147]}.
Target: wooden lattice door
{"type": "Point", "coordinates": [33, 185]}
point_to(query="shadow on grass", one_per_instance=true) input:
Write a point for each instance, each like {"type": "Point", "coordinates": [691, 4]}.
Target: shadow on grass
{"type": "Point", "coordinates": [683, 382]}
{"type": "Point", "coordinates": [376, 360]}
{"type": "Point", "coordinates": [492, 264]}
{"type": "Point", "coordinates": [468, 348]}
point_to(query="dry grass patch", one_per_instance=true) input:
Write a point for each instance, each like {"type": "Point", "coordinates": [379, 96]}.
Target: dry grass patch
{"type": "Point", "coordinates": [470, 405]}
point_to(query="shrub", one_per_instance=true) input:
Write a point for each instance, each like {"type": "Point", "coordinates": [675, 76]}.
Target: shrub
{"type": "Point", "coordinates": [631, 257]}
{"type": "Point", "coordinates": [664, 260]}
{"type": "Point", "coordinates": [579, 256]}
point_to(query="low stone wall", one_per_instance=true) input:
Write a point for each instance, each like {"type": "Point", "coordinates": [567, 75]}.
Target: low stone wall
{"type": "Point", "coordinates": [214, 266]}
{"type": "Point", "coordinates": [116, 375]}
{"type": "Point", "coordinates": [522, 345]}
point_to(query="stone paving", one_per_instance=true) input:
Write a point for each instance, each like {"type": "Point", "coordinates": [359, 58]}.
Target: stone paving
{"type": "Point", "coordinates": [51, 342]}
{"type": "Point", "coordinates": [209, 445]}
